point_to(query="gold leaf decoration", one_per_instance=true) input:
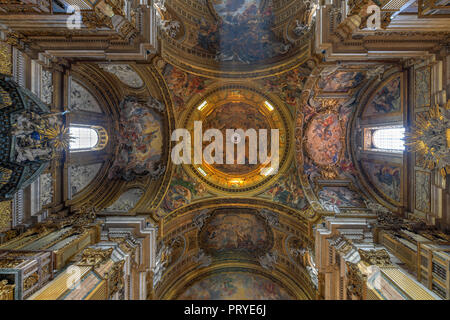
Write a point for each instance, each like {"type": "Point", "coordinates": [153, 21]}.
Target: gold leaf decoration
{"type": "Point", "coordinates": [5, 215]}
{"type": "Point", "coordinates": [5, 59]}
{"type": "Point", "coordinates": [429, 138]}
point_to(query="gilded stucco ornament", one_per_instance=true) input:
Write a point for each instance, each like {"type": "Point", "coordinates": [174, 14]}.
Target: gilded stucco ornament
{"type": "Point", "coordinates": [95, 256]}
{"type": "Point", "coordinates": [430, 138]}
{"type": "Point", "coordinates": [199, 220]}
{"type": "Point", "coordinates": [6, 290]}
{"type": "Point", "coordinates": [378, 258]}
{"type": "Point", "coordinates": [269, 260]}
{"type": "Point", "coordinates": [162, 260]}
{"type": "Point", "coordinates": [115, 277]}
{"type": "Point", "coordinates": [270, 216]}
{"type": "Point", "coordinates": [356, 281]}
{"type": "Point", "coordinates": [202, 259]}
{"type": "Point", "coordinates": [166, 22]}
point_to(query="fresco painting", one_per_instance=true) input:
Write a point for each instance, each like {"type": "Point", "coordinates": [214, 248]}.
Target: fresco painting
{"type": "Point", "coordinates": [183, 86]}
{"type": "Point", "coordinates": [423, 191]}
{"type": "Point", "coordinates": [287, 191]}
{"type": "Point", "coordinates": [340, 81]}
{"type": "Point", "coordinates": [243, 32]}
{"type": "Point", "coordinates": [183, 189]}
{"type": "Point", "coordinates": [385, 177]}
{"type": "Point", "coordinates": [387, 99]}
{"type": "Point", "coordinates": [340, 197]}
{"type": "Point", "coordinates": [242, 116]}
{"type": "Point", "coordinates": [140, 141]}
{"type": "Point", "coordinates": [289, 85]}
{"type": "Point", "coordinates": [234, 230]}
{"type": "Point", "coordinates": [323, 136]}
{"type": "Point", "coordinates": [235, 286]}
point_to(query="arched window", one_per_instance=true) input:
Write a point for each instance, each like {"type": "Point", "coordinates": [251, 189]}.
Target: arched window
{"type": "Point", "coordinates": [87, 138]}
{"type": "Point", "coordinates": [389, 139]}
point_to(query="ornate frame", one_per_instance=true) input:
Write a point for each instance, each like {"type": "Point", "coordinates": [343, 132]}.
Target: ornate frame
{"type": "Point", "coordinates": [282, 112]}
{"type": "Point", "coordinates": [327, 170]}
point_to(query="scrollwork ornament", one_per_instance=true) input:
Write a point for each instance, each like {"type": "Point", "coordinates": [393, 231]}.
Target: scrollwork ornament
{"type": "Point", "coordinates": [378, 258]}
{"type": "Point", "coordinates": [269, 260]}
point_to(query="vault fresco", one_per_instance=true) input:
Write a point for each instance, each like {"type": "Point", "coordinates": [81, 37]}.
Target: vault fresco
{"type": "Point", "coordinates": [324, 134]}
{"type": "Point", "coordinates": [140, 141]}
{"type": "Point", "coordinates": [340, 197]}
{"type": "Point", "coordinates": [289, 85]}
{"type": "Point", "coordinates": [287, 191]}
{"type": "Point", "coordinates": [235, 286]}
{"type": "Point", "coordinates": [182, 190]}
{"type": "Point", "coordinates": [341, 81]}
{"type": "Point", "coordinates": [236, 115]}
{"type": "Point", "coordinates": [235, 231]}
{"type": "Point", "coordinates": [243, 32]}
{"type": "Point", "coordinates": [386, 178]}
{"type": "Point", "coordinates": [387, 99]}
{"type": "Point", "coordinates": [183, 85]}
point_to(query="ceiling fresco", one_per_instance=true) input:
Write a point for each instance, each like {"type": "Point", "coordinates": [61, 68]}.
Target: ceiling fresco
{"type": "Point", "coordinates": [244, 245]}
{"type": "Point", "coordinates": [186, 220]}
{"type": "Point", "coordinates": [235, 286]}
{"type": "Point", "coordinates": [387, 99]}
{"type": "Point", "coordinates": [242, 32]}
{"type": "Point", "coordinates": [140, 139]}
{"type": "Point", "coordinates": [218, 37]}
{"type": "Point", "coordinates": [255, 234]}
{"type": "Point", "coordinates": [183, 86]}
{"type": "Point", "coordinates": [243, 116]}
{"type": "Point", "coordinates": [238, 105]}
{"type": "Point", "coordinates": [235, 231]}
{"type": "Point", "coordinates": [324, 136]}
{"type": "Point", "coordinates": [340, 81]}
{"type": "Point", "coordinates": [287, 191]}
{"type": "Point", "coordinates": [326, 97]}
{"type": "Point", "coordinates": [386, 177]}
{"type": "Point", "coordinates": [325, 128]}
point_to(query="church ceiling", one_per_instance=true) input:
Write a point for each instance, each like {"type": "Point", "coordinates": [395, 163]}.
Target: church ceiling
{"type": "Point", "coordinates": [240, 286]}
{"type": "Point", "coordinates": [233, 223]}
{"type": "Point", "coordinates": [326, 83]}
{"type": "Point", "coordinates": [314, 107]}
{"type": "Point", "coordinates": [245, 242]}
{"type": "Point", "coordinates": [229, 65]}
{"type": "Point", "coordinates": [223, 38]}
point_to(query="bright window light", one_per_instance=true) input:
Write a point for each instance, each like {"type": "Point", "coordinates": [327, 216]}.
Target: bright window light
{"type": "Point", "coordinates": [202, 171]}
{"type": "Point", "coordinates": [268, 105]}
{"type": "Point", "coordinates": [82, 138]}
{"type": "Point", "coordinates": [201, 106]}
{"type": "Point", "coordinates": [389, 139]}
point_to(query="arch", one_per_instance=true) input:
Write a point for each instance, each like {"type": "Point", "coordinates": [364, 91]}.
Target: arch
{"type": "Point", "coordinates": [391, 139]}
{"type": "Point", "coordinates": [87, 138]}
